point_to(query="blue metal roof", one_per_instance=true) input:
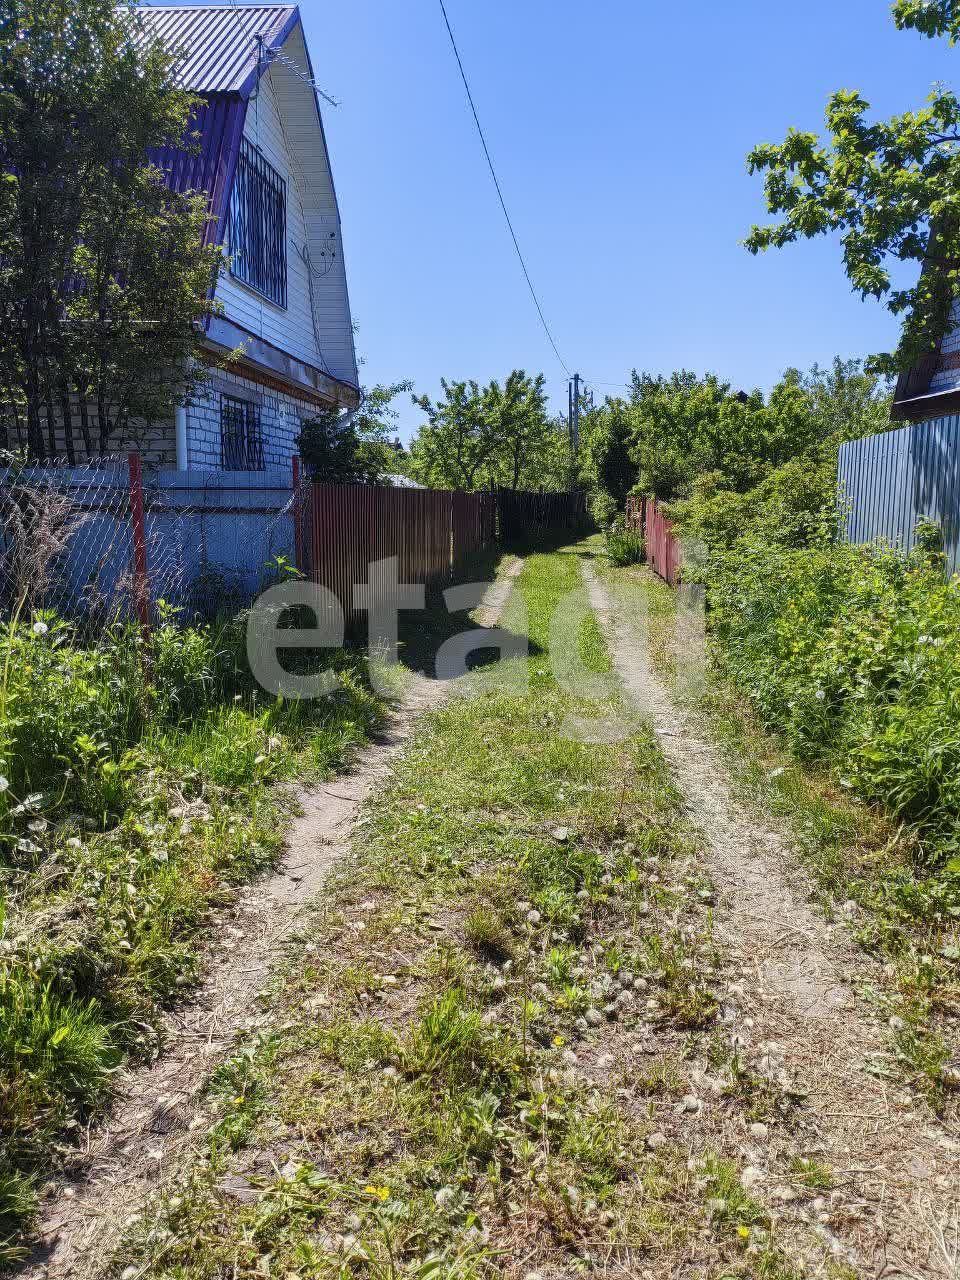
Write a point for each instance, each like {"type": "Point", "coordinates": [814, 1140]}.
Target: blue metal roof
{"type": "Point", "coordinates": [219, 43]}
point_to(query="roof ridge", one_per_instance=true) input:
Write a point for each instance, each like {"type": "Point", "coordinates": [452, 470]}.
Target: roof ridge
{"type": "Point", "coordinates": [226, 5]}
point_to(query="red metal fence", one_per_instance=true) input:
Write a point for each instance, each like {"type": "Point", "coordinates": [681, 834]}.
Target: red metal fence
{"type": "Point", "coordinates": [663, 548]}
{"type": "Point", "coordinates": [430, 532]}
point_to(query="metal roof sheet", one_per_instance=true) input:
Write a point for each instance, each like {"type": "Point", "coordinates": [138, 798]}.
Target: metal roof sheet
{"type": "Point", "coordinates": [219, 43]}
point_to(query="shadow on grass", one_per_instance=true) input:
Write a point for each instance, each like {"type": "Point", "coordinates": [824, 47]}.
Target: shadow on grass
{"type": "Point", "coordinates": [422, 634]}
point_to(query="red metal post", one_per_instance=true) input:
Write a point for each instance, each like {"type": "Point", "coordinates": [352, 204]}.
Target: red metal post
{"type": "Point", "coordinates": [297, 517]}
{"type": "Point", "coordinates": [141, 586]}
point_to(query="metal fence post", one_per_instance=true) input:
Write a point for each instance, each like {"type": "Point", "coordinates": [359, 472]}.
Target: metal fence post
{"type": "Point", "coordinates": [141, 586]}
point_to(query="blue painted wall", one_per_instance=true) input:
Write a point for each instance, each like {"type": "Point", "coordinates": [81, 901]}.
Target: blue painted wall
{"type": "Point", "coordinates": [209, 535]}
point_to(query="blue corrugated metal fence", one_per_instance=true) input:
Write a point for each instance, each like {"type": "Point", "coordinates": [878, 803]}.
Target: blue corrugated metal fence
{"type": "Point", "coordinates": [889, 482]}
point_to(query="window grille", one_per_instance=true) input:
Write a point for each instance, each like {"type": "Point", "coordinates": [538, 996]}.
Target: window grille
{"type": "Point", "coordinates": [241, 444]}
{"type": "Point", "coordinates": [257, 230]}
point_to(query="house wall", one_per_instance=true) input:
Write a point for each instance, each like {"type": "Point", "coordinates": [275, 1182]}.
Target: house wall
{"type": "Point", "coordinates": [949, 379]}
{"type": "Point", "coordinates": [155, 442]}
{"type": "Point", "coordinates": [315, 326]}
{"type": "Point", "coordinates": [889, 482]}
{"type": "Point", "coordinates": [280, 419]}
{"type": "Point", "coordinates": [281, 416]}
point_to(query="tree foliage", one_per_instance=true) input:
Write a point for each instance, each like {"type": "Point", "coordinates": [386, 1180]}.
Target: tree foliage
{"type": "Point", "coordinates": [890, 189]}
{"type": "Point", "coordinates": [103, 269]}
{"type": "Point", "coordinates": [929, 17]}
{"type": "Point", "coordinates": [721, 456]}
{"type": "Point", "coordinates": [793, 498]}
{"type": "Point", "coordinates": [354, 448]}
{"type": "Point", "coordinates": [476, 437]}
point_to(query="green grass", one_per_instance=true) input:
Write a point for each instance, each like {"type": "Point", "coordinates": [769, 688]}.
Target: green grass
{"type": "Point", "coordinates": [904, 911]}
{"type": "Point", "coordinates": [432, 1118]}
{"type": "Point", "coordinates": [129, 809]}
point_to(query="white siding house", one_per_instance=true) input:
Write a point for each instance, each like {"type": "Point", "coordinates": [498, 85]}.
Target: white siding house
{"type": "Point", "coordinates": [283, 298]}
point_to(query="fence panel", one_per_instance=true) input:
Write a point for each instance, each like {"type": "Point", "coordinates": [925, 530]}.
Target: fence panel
{"type": "Point", "coordinates": [889, 482]}
{"type": "Point", "coordinates": [109, 540]}
{"type": "Point", "coordinates": [663, 550]}
{"type": "Point", "coordinates": [523, 514]}
{"type": "Point", "coordinates": [430, 532]}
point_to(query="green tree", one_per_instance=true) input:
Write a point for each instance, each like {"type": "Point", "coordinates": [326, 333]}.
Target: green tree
{"type": "Point", "coordinates": [103, 270]}
{"type": "Point", "coordinates": [518, 418]}
{"type": "Point", "coordinates": [890, 189]}
{"type": "Point", "coordinates": [354, 448]}
{"type": "Point", "coordinates": [458, 439]}
{"type": "Point", "coordinates": [794, 499]}
{"type": "Point", "coordinates": [930, 17]}
{"type": "Point", "coordinates": [609, 439]}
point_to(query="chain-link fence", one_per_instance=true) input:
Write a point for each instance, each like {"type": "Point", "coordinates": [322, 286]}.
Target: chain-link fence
{"type": "Point", "coordinates": [110, 540]}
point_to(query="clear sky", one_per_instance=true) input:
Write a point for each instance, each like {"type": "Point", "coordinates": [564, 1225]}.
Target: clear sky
{"type": "Point", "coordinates": [619, 130]}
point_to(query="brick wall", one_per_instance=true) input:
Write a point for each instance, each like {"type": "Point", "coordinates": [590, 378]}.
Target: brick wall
{"type": "Point", "coordinates": [280, 418]}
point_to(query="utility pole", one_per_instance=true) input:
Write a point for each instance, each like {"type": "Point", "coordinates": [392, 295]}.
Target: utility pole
{"type": "Point", "coordinates": [575, 415]}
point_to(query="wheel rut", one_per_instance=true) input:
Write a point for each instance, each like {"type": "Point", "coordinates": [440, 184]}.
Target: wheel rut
{"type": "Point", "coordinates": [793, 1000]}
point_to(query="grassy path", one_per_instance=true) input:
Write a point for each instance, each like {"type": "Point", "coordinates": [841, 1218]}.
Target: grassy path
{"type": "Point", "coordinates": [517, 1036]}
{"type": "Point", "coordinates": [481, 1056]}
{"type": "Point", "coordinates": [147, 1127]}
{"type": "Point", "coordinates": [797, 1001]}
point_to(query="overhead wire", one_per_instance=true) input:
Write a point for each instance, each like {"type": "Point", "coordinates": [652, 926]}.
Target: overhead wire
{"type": "Point", "coordinates": [503, 203]}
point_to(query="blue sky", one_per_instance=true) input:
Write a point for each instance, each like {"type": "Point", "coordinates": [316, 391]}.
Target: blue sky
{"type": "Point", "coordinates": [619, 131]}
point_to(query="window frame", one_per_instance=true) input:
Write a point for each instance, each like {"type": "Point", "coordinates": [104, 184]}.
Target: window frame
{"type": "Point", "coordinates": [259, 184]}
{"type": "Point", "coordinates": [246, 443]}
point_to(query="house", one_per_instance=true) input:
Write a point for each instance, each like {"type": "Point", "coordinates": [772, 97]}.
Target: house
{"type": "Point", "coordinates": [263, 160]}
{"type": "Point", "coordinates": [931, 389]}
{"type": "Point", "coordinates": [217, 476]}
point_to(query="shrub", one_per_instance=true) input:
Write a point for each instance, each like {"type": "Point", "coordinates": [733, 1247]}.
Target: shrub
{"type": "Point", "coordinates": [127, 806]}
{"type": "Point", "coordinates": [624, 546]}
{"type": "Point", "coordinates": [853, 654]}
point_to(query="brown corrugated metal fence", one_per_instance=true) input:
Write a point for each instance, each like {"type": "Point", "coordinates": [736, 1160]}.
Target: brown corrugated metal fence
{"type": "Point", "coordinates": [430, 532]}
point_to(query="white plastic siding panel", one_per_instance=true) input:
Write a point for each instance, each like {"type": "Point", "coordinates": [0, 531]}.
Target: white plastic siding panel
{"type": "Point", "coordinates": [324, 232]}
{"type": "Point", "coordinates": [290, 329]}
{"type": "Point", "coordinates": [282, 122]}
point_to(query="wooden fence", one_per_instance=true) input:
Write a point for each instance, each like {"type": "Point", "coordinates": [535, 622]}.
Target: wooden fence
{"type": "Point", "coordinates": [523, 515]}
{"type": "Point", "coordinates": [430, 532]}
{"type": "Point", "coordinates": [664, 556]}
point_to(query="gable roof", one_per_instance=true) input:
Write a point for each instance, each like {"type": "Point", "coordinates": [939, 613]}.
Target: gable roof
{"type": "Point", "coordinates": [223, 45]}
{"type": "Point", "coordinates": [224, 51]}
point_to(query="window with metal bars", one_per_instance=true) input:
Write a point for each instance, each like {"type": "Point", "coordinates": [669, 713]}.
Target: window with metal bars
{"type": "Point", "coordinates": [241, 444]}
{"type": "Point", "coordinates": [257, 229]}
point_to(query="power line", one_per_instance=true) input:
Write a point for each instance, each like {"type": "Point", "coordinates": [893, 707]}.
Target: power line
{"type": "Point", "coordinates": [496, 183]}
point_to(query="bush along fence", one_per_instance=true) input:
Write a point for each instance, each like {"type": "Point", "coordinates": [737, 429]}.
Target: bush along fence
{"type": "Point", "coordinates": [663, 552]}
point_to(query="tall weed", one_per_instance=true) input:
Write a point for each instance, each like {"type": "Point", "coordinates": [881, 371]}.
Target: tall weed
{"type": "Point", "coordinates": [853, 655]}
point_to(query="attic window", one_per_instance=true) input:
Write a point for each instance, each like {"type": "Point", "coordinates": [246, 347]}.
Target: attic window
{"type": "Point", "coordinates": [257, 232]}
